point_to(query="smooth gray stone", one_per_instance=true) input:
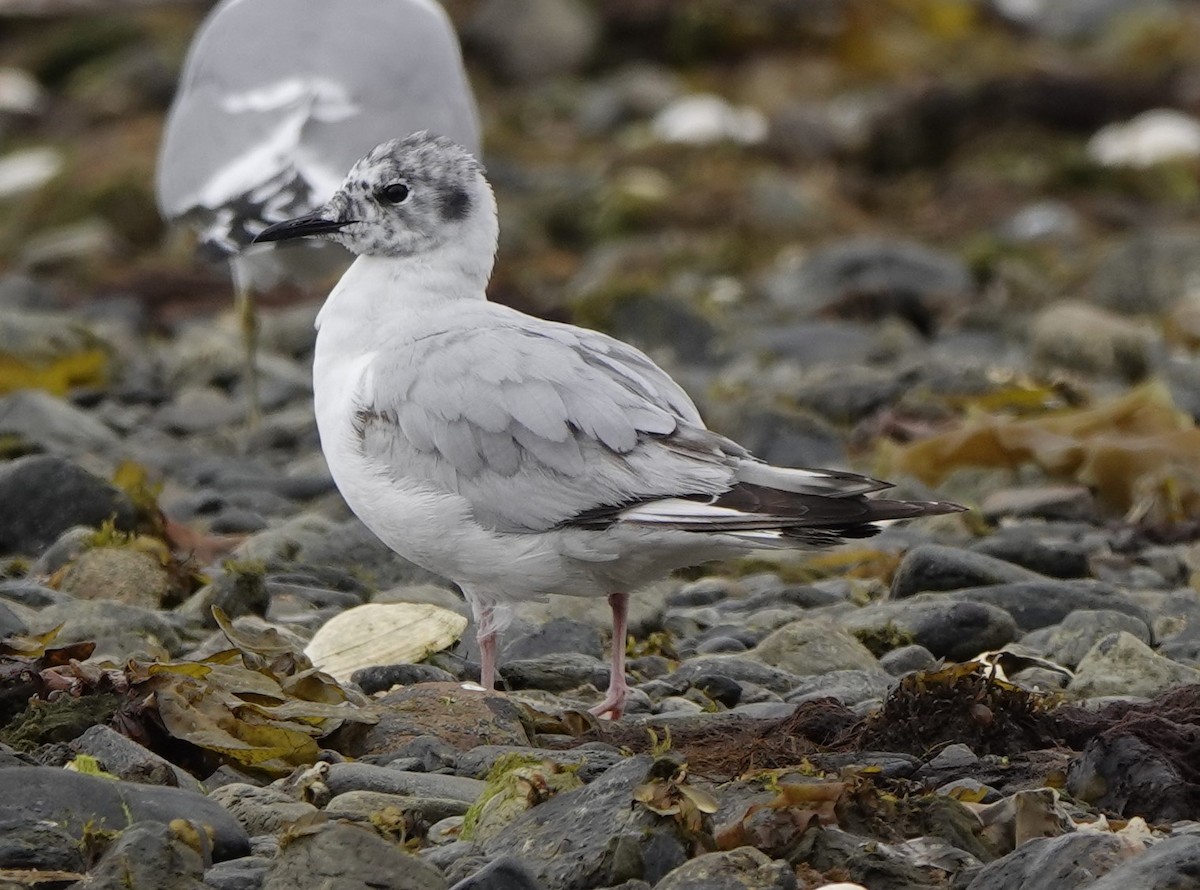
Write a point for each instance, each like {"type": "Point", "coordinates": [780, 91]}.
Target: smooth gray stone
{"type": "Point", "coordinates": [35, 843]}
{"type": "Point", "coordinates": [505, 873]}
{"type": "Point", "coordinates": [246, 873]}
{"type": "Point", "coordinates": [744, 868]}
{"type": "Point", "coordinates": [347, 856]}
{"type": "Point", "coordinates": [934, 567]}
{"type": "Point", "coordinates": [126, 759]}
{"type": "Point", "coordinates": [148, 854]}
{"type": "Point", "coordinates": [1067, 862]}
{"type": "Point", "coordinates": [345, 777]}
{"type": "Point", "coordinates": [75, 800]}
{"type": "Point", "coordinates": [1035, 604]}
{"type": "Point", "coordinates": [1171, 864]}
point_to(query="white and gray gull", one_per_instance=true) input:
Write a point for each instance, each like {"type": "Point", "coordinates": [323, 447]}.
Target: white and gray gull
{"type": "Point", "coordinates": [277, 99]}
{"type": "Point", "coordinates": [516, 456]}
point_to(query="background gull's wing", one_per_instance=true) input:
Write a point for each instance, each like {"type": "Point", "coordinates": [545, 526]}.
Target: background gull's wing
{"type": "Point", "coordinates": [288, 94]}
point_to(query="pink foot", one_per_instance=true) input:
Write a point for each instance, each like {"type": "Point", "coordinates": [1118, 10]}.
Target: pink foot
{"type": "Point", "coordinates": [613, 705]}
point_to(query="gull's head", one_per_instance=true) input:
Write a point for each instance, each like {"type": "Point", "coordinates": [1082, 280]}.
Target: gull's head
{"type": "Point", "coordinates": [407, 197]}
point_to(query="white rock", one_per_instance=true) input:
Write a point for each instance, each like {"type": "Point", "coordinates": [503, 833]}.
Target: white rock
{"type": "Point", "coordinates": [20, 93]}
{"type": "Point", "coordinates": [1160, 134]}
{"type": "Point", "coordinates": [703, 118]}
{"type": "Point", "coordinates": [382, 633]}
{"type": "Point", "coordinates": [27, 170]}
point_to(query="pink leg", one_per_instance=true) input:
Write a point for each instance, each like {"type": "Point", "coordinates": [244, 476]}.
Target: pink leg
{"type": "Point", "coordinates": [613, 705]}
{"type": "Point", "coordinates": [485, 635]}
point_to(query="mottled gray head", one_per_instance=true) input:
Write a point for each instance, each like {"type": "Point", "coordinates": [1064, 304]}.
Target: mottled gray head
{"type": "Point", "coordinates": [407, 197]}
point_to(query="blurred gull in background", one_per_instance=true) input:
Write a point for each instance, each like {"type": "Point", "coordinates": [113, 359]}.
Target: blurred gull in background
{"type": "Point", "coordinates": [277, 100]}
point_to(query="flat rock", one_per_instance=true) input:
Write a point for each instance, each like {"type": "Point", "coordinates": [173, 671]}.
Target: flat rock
{"type": "Point", "coordinates": [1030, 549]}
{"type": "Point", "coordinates": [555, 672]}
{"type": "Point", "coordinates": [344, 777]}
{"type": "Point", "coordinates": [1071, 640]}
{"type": "Point", "coordinates": [75, 800]}
{"type": "Point", "coordinates": [505, 873]}
{"type": "Point", "coordinates": [1035, 604]}
{"type": "Point", "coordinates": [744, 868]}
{"type": "Point", "coordinates": [931, 567]}
{"type": "Point", "coordinates": [587, 762]}
{"type": "Point", "coordinates": [246, 873]}
{"type": "Point", "coordinates": [121, 756]}
{"type": "Point", "coordinates": [1121, 664]}
{"type": "Point", "coordinates": [811, 647]}
{"type": "Point", "coordinates": [36, 843]}
{"type": "Point", "coordinates": [848, 687]}
{"type": "Point", "coordinates": [361, 805]}
{"type": "Point", "coordinates": [118, 629]}
{"type": "Point", "coordinates": [260, 810]}
{"type": "Point", "coordinates": [349, 858]}
{"type": "Point", "coordinates": [55, 425]}
{"type": "Point", "coordinates": [460, 716]}
{"type": "Point", "coordinates": [44, 496]}
{"type": "Point", "coordinates": [740, 668]}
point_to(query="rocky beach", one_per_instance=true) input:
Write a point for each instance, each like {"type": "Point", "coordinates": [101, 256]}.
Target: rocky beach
{"type": "Point", "coordinates": [954, 244]}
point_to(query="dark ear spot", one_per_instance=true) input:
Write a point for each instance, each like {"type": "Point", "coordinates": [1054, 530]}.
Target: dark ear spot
{"type": "Point", "coordinates": [456, 204]}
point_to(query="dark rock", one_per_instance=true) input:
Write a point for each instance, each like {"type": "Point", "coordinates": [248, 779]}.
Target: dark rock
{"type": "Point", "coordinates": [1171, 864]}
{"type": "Point", "coordinates": [24, 592]}
{"type": "Point", "coordinates": [609, 846]}
{"type": "Point", "coordinates": [1147, 272]}
{"type": "Point", "coordinates": [148, 854]}
{"type": "Point", "coordinates": [75, 800]}
{"type": "Point", "coordinates": [123, 757]}
{"type": "Point", "coordinates": [912, 657]}
{"type": "Point", "coordinates": [946, 627]}
{"type": "Point", "coordinates": [744, 868]}
{"type": "Point", "coordinates": [55, 426]}
{"type": "Point", "coordinates": [505, 873]}
{"type": "Point", "coordinates": [36, 843]}
{"type": "Point", "coordinates": [1122, 773]}
{"type": "Point", "coordinates": [931, 567]}
{"type": "Point", "coordinates": [118, 629]}
{"type": "Point", "coordinates": [430, 752]}
{"type": "Point", "coordinates": [47, 495]}
{"type": "Point", "coordinates": [246, 873]}
{"type": "Point", "coordinates": [1034, 604]}
{"type": "Point", "coordinates": [557, 636]}
{"type": "Point", "coordinates": [345, 777]}
{"type": "Point", "coordinates": [1056, 559]}
{"type": "Point", "coordinates": [349, 858]}
{"type": "Point", "coordinates": [1067, 862]}
{"type": "Point", "coordinates": [556, 672]}
{"type": "Point", "coordinates": [381, 677]}
{"type": "Point", "coordinates": [720, 689]}
{"type": "Point", "coordinates": [1049, 502]}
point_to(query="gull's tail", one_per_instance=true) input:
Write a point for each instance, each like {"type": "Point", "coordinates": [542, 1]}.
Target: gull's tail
{"type": "Point", "coordinates": [780, 507]}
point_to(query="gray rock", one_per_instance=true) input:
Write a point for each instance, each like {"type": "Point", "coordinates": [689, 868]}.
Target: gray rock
{"type": "Point", "coordinates": [848, 687]}
{"type": "Point", "coordinates": [931, 567]}
{"type": "Point", "coordinates": [593, 837]}
{"type": "Point", "coordinates": [556, 672]}
{"type": "Point", "coordinates": [744, 868]}
{"type": "Point", "coordinates": [74, 800]}
{"type": "Point", "coordinates": [118, 629]}
{"type": "Point", "coordinates": [345, 777]}
{"type": "Point", "coordinates": [1171, 864]}
{"type": "Point", "coordinates": [1067, 862]}
{"type": "Point", "coordinates": [361, 805]}
{"type": "Point", "coordinates": [505, 873]}
{"type": "Point", "coordinates": [45, 496]}
{"type": "Point", "coordinates": [260, 810]}
{"type": "Point", "coordinates": [1121, 773]}
{"type": "Point", "coordinates": [10, 624]}
{"type": "Point", "coordinates": [55, 426]}
{"type": "Point", "coordinates": [527, 40]}
{"type": "Point", "coordinates": [1074, 637]}
{"type": "Point", "coordinates": [349, 858]}
{"type": "Point", "coordinates": [1083, 338]}
{"type": "Point", "coordinates": [557, 636]}
{"type": "Point", "coordinates": [1032, 550]}
{"type": "Point", "coordinates": [200, 409]}
{"type": "Point", "coordinates": [811, 647]}
{"type": "Point", "coordinates": [869, 266]}
{"type": "Point", "coordinates": [1121, 664]}
{"type": "Point", "coordinates": [36, 843]}
{"type": "Point", "coordinates": [913, 657]}
{"type": "Point", "coordinates": [1042, 221]}
{"type": "Point", "coordinates": [1051, 502]}
{"type": "Point", "coordinates": [246, 873]}
{"type": "Point", "coordinates": [28, 593]}
{"type": "Point", "coordinates": [382, 677]}
{"type": "Point", "coordinates": [1034, 604]}
{"type": "Point", "coordinates": [147, 854]}
{"type": "Point", "coordinates": [123, 757]}
{"type": "Point", "coordinates": [946, 627]}
{"type": "Point", "coordinates": [1147, 272]}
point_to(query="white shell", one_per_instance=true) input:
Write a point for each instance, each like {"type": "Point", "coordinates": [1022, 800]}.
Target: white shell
{"type": "Point", "coordinates": [382, 633]}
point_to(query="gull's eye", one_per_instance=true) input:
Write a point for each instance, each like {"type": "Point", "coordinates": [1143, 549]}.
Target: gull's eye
{"type": "Point", "coordinates": [396, 193]}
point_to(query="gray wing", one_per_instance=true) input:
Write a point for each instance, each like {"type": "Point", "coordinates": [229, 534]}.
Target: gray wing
{"type": "Point", "coordinates": [272, 87]}
{"type": "Point", "coordinates": [538, 426]}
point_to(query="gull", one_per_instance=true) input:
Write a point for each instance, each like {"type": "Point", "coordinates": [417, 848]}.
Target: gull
{"type": "Point", "coordinates": [520, 457]}
{"type": "Point", "coordinates": [277, 99]}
